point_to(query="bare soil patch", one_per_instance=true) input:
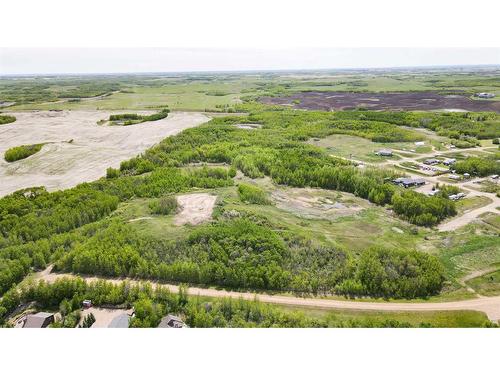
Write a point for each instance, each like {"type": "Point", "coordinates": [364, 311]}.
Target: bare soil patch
{"type": "Point", "coordinates": [77, 149]}
{"type": "Point", "coordinates": [316, 203]}
{"type": "Point", "coordinates": [103, 316]}
{"type": "Point", "coordinates": [195, 208]}
{"type": "Point", "coordinates": [327, 101]}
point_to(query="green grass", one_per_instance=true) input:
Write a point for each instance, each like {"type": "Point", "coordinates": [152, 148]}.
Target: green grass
{"type": "Point", "coordinates": [363, 149]}
{"type": "Point", "coordinates": [212, 91]}
{"type": "Point", "coordinates": [467, 251]}
{"type": "Point", "coordinates": [471, 203]}
{"type": "Point", "coordinates": [442, 319]}
{"type": "Point", "coordinates": [486, 285]}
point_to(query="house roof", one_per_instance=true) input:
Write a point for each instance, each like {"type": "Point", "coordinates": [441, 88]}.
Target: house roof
{"type": "Point", "coordinates": [37, 320]}
{"type": "Point", "coordinates": [171, 321]}
{"type": "Point", "coordinates": [120, 321]}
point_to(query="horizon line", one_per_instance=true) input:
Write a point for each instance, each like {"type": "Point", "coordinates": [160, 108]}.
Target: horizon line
{"type": "Point", "coordinates": [13, 75]}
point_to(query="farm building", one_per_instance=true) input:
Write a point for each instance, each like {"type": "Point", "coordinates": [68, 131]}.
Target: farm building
{"type": "Point", "coordinates": [384, 152]}
{"type": "Point", "coordinates": [431, 161]}
{"type": "Point", "coordinates": [120, 321]}
{"type": "Point", "coordinates": [409, 182]}
{"type": "Point", "coordinates": [171, 321]}
{"type": "Point", "coordinates": [38, 320]}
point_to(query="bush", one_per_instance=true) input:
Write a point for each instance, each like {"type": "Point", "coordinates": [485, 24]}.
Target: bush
{"type": "Point", "coordinates": [164, 205]}
{"type": "Point", "coordinates": [21, 152]}
{"type": "Point", "coordinates": [112, 173]}
{"type": "Point", "coordinates": [6, 119]}
{"type": "Point", "coordinates": [252, 194]}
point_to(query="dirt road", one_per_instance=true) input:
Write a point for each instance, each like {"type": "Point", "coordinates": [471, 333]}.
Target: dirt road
{"type": "Point", "coordinates": [489, 305]}
{"type": "Point", "coordinates": [466, 186]}
{"type": "Point", "coordinates": [77, 149]}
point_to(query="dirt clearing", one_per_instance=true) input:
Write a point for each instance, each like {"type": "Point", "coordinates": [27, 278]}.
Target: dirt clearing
{"type": "Point", "coordinates": [78, 149]}
{"type": "Point", "coordinates": [317, 203]}
{"type": "Point", "coordinates": [103, 316]}
{"type": "Point", "coordinates": [195, 208]}
{"type": "Point", "coordinates": [327, 101]}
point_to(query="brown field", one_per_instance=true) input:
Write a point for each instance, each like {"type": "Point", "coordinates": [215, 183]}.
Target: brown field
{"type": "Point", "coordinates": [328, 100]}
{"type": "Point", "coordinates": [76, 148]}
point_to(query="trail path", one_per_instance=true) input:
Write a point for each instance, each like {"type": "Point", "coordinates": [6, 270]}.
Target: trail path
{"type": "Point", "coordinates": [489, 305]}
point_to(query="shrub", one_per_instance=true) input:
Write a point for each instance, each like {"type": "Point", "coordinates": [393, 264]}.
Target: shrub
{"type": "Point", "coordinates": [112, 173]}
{"type": "Point", "coordinates": [164, 205]}
{"type": "Point", "coordinates": [6, 119]}
{"type": "Point", "coordinates": [252, 194]}
{"type": "Point", "coordinates": [21, 152]}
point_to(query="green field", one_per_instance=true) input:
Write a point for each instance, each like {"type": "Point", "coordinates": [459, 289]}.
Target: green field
{"type": "Point", "coordinates": [215, 92]}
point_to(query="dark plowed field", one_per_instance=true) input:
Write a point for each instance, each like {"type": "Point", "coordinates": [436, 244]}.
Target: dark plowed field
{"type": "Point", "coordinates": [413, 101]}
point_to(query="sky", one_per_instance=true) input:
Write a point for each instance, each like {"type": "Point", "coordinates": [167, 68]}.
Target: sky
{"type": "Point", "coordinates": [14, 61]}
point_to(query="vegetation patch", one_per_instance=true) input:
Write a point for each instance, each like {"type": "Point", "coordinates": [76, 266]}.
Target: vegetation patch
{"type": "Point", "coordinates": [126, 119]}
{"type": "Point", "coordinates": [252, 194]}
{"type": "Point", "coordinates": [6, 119]}
{"type": "Point", "coordinates": [164, 205]}
{"type": "Point", "coordinates": [22, 152]}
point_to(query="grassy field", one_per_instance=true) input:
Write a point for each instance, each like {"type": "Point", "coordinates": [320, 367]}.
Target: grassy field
{"type": "Point", "coordinates": [442, 319]}
{"type": "Point", "coordinates": [363, 149]}
{"type": "Point", "coordinates": [214, 91]}
{"type": "Point", "coordinates": [486, 285]}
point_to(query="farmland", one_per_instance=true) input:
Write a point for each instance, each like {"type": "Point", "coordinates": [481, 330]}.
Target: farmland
{"type": "Point", "coordinates": [262, 183]}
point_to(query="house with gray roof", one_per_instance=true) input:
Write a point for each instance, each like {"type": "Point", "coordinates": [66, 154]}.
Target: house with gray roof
{"type": "Point", "coordinates": [38, 320]}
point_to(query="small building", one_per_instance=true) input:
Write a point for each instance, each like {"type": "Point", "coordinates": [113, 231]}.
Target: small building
{"type": "Point", "coordinates": [38, 320]}
{"type": "Point", "coordinates": [449, 161]}
{"type": "Point", "coordinates": [494, 177]}
{"type": "Point", "coordinates": [466, 175]}
{"type": "Point", "coordinates": [485, 95]}
{"type": "Point", "coordinates": [409, 182]}
{"type": "Point", "coordinates": [120, 321]}
{"type": "Point", "coordinates": [384, 152]}
{"type": "Point", "coordinates": [172, 321]}
{"type": "Point", "coordinates": [87, 304]}
{"type": "Point", "coordinates": [431, 161]}
{"type": "Point", "coordinates": [454, 177]}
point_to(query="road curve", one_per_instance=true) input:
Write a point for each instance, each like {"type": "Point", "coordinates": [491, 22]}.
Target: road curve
{"type": "Point", "coordinates": [489, 305]}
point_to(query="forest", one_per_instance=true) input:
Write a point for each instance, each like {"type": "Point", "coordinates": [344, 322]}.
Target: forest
{"type": "Point", "coordinates": [76, 230]}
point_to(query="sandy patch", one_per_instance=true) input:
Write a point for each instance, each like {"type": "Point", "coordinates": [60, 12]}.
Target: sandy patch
{"type": "Point", "coordinates": [195, 208]}
{"type": "Point", "coordinates": [315, 203]}
{"type": "Point", "coordinates": [62, 164]}
{"type": "Point", "coordinates": [103, 316]}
